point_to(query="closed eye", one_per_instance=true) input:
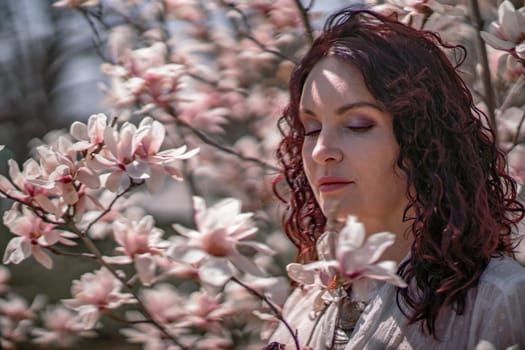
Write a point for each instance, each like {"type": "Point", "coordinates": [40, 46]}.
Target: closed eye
{"type": "Point", "coordinates": [312, 132]}
{"type": "Point", "coordinates": [360, 128]}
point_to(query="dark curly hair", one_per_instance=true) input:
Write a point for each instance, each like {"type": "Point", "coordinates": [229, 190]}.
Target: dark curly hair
{"type": "Point", "coordinates": [464, 205]}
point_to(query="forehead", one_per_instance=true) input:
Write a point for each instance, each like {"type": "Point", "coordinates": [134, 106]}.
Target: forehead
{"type": "Point", "coordinates": [332, 81]}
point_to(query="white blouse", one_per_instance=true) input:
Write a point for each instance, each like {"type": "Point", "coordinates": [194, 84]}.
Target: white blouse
{"type": "Point", "coordinates": [494, 317]}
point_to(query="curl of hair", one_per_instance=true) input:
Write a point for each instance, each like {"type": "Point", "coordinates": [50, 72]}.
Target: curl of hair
{"type": "Point", "coordinates": [464, 203]}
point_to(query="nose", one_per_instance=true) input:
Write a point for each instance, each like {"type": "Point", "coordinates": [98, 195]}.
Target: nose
{"type": "Point", "coordinates": [327, 148]}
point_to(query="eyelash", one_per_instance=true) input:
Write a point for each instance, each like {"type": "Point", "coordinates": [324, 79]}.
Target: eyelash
{"type": "Point", "coordinates": [358, 129]}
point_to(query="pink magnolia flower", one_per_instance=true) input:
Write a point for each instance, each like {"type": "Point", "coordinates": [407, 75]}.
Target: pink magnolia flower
{"type": "Point", "coordinates": [350, 261]}
{"type": "Point", "coordinates": [22, 187]}
{"type": "Point", "coordinates": [151, 336]}
{"type": "Point", "coordinates": [164, 303]}
{"type": "Point", "coordinates": [16, 308]}
{"type": "Point", "coordinates": [213, 245]}
{"type": "Point", "coordinates": [145, 58]}
{"type": "Point", "coordinates": [139, 242]}
{"type": "Point", "coordinates": [64, 171]}
{"type": "Point", "coordinates": [62, 328]}
{"type": "Point", "coordinates": [508, 33]}
{"type": "Point", "coordinates": [33, 234]}
{"type": "Point", "coordinates": [136, 153]}
{"type": "Point", "coordinates": [205, 311]}
{"type": "Point", "coordinates": [12, 332]}
{"type": "Point", "coordinates": [95, 293]}
{"type": "Point", "coordinates": [91, 135]}
{"type": "Point", "coordinates": [204, 112]}
{"type": "Point", "coordinates": [163, 83]}
{"type": "Point", "coordinates": [124, 90]}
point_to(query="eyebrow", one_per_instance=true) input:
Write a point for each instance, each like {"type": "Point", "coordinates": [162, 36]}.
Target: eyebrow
{"type": "Point", "coordinates": [348, 107]}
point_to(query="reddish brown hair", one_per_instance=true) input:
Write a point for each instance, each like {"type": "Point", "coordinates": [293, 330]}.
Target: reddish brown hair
{"type": "Point", "coordinates": [464, 203]}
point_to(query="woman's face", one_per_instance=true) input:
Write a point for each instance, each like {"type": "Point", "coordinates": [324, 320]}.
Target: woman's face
{"type": "Point", "coordinates": [349, 150]}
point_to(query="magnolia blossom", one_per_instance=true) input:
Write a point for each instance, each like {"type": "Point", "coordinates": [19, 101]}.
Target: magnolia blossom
{"type": "Point", "coordinates": [351, 262]}
{"type": "Point", "coordinates": [139, 242]}
{"type": "Point", "coordinates": [33, 234]}
{"type": "Point", "coordinates": [213, 245]}
{"type": "Point", "coordinates": [94, 293]}
{"type": "Point", "coordinates": [205, 311]}
{"type": "Point", "coordinates": [60, 163]}
{"type": "Point", "coordinates": [164, 303]}
{"type": "Point", "coordinates": [163, 82]}
{"type": "Point", "coordinates": [62, 328]}
{"type": "Point", "coordinates": [17, 309]}
{"type": "Point", "coordinates": [21, 186]}
{"type": "Point", "coordinates": [508, 33]}
{"type": "Point", "coordinates": [135, 152]}
{"type": "Point", "coordinates": [12, 332]}
{"type": "Point", "coordinates": [149, 335]}
{"type": "Point", "coordinates": [91, 135]}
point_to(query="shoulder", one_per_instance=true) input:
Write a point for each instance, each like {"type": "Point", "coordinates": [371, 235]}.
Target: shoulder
{"type": "Point", "coordinates": [503, 274]}
{"type": "Point", "coordinates": [498, 305]}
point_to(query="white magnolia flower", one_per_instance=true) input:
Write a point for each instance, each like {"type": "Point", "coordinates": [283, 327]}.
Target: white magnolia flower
{"type": "Point", "coordinates": [349, 261]}
{"type": "Point", "coordinates": [221, 229]}
{"type": "Point", "coordinates": [508, 33]}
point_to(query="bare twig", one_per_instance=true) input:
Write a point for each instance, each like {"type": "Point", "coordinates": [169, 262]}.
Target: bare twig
{"type": "Point", "coordinates": [110, 206]}
{"type": "Point", "coordinates": [247, 33]}
{"type": "Point", "coordinates": [272, 307]}
{"type": "Point", "coordinates": [306, 20]}
{"type": "Point", "coordinates": [98, 40]}
{"type": "Point", "coordinates": [77, 255]}
{"type": "Point", "coordinates": [215, 84]}
{"type": "Point", "coordinates": [123, 320]}
{"type": "Point", "coordinates": [485, 74]}
{"type": "Point", "coordinates": [208, 140]}
{"type": "Point", "coordinates": [515, 140]}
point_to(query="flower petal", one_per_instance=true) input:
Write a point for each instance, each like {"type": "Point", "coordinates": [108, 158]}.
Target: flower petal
{"type": "Point", "coordinates": [297, 273]}
{"type": "Point", "coordinates": [40, 256]}
{"type": "Point", "coordinates": [215, 272]}
{"type": "Point", "coordinates": [17, 250]}
{"type": "Point", "coordinates": [145, 266]}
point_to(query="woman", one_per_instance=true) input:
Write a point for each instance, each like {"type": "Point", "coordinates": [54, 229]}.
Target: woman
{"type": "Point", "coordinates": [381, 126]}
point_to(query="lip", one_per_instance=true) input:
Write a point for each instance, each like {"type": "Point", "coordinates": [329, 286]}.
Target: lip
{"type": "Point", "coordinates": [332, 183]}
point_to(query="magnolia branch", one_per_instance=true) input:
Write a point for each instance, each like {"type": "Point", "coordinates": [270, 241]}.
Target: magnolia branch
{"type": "Point", "coordinates": [485, 73]}
{"type": "Point", "coordinates": [57, 251]}
{"type": "Point", "coordinates": [247, 33]}
{"type": "Point", "coordinates": [515, 141]}
{"type": "Point", "coordinates": [98, 256]}
{"type": "Point", "coordinates": [272, 307]}
{"type": "Point", "coordinates": [306, 20]}
{"type": "Point", "coordinates": [41, 213]}
{"type": "Point", "coordinates": [110, 206]}
{"type": "Point", "coordinates": [98, 39]}
{"type": "Point", "coordinates": [208, 140]}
